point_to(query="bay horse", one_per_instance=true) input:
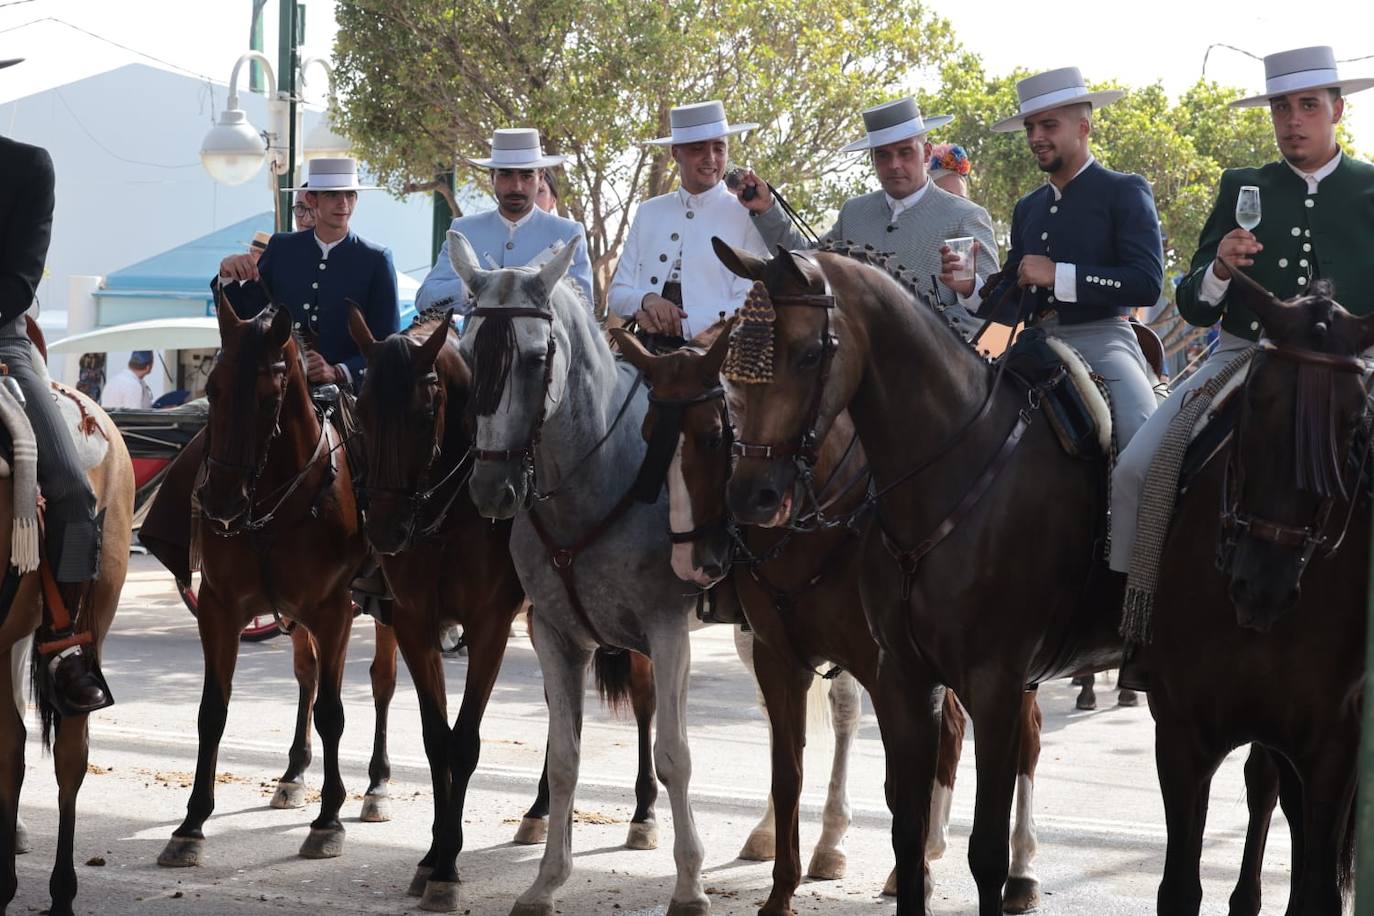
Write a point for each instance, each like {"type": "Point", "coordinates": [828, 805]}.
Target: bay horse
{"type": "Point", "coordinates": [1286, 608]}
{"type": "Point", "coordinates": [278, 529]}
{"type": "Point", "coordinates": [966, 580]}
{"type": "Point", "coordinates": [113, 482]}
{"type": "Point", "coordinates": [557, 448]}
{"type": "Point", "coordinates": [800, 592]}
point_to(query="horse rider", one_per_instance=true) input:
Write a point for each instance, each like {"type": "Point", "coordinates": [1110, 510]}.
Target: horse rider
{"type": "Point", "coordinates": [72, 525]}
{"type": "Point", "coordinates": [313, 272]}
{"type": "Point", "coordinates": [1085, 248]}
{"type": "Point", "coordinates": [1318, 224]}
{"type": "Point", "coordinates": [669, 279]}
{"type": "Point", "coordinates": [515, 232]}
{"type": "Point", "coordinates": [910, 216]}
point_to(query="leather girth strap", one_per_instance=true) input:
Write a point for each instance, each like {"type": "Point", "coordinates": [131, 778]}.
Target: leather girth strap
{"type": "Point", "coordinates": [562, 559]}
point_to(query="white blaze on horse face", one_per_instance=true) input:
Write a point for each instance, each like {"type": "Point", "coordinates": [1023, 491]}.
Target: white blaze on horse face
{"type": "Point", "coordinates": [680, 521]}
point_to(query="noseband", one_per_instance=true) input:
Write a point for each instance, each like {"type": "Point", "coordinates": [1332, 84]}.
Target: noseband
{"type": "Point", "coordinates": [1308, 539]}
{"type": "Point", "coordinates": [525, 453]}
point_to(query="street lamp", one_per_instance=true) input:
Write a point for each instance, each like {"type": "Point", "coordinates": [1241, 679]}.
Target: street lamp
{"type": "Point", "coordinates": [234, 150]}
{"type": "Point", "coordinates": [324, 141]}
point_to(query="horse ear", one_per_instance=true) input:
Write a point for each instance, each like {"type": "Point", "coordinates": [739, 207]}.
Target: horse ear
{"type": "Point", "coordinates": [557, 266]}
{"type": "Point", "coordinates": [1273, 314]}
{"type": "Point", "coordinates": [279, 330]}
{"type": "Point", "coordinates": [738, 262]}
{"type": "Point", "coordinates": [358, 329]}
{"type": "Point", "coordinates": [633, 350]}
{"type": "Point", "coordinates": [429, 350]}
{"type": "Point", "coordinates": [224, 313]}
{"type": "Point", "coordinates": [715, 357]}
{"type": "Point", "coordinates": [790, 265]}
{"type": "Point", "coordinates": [464, 261]}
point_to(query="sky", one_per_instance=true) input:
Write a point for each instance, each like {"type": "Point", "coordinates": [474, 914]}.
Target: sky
{"type": "Point", "coordinates": [1130, 41]}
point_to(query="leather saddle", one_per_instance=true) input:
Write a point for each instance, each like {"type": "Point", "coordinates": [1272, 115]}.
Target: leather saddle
{"type": "Point", "coordinates": [1073, 401]}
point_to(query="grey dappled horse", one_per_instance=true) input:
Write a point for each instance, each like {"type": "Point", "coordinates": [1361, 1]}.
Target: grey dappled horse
{"type": "Point", "coordinates": [558, 414]}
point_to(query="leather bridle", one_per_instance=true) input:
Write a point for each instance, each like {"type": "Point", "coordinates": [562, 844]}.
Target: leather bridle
{"type": "Point", "coordinates": [671, 412]}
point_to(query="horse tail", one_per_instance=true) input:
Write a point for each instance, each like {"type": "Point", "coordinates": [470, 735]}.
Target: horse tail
{"type": "Point", "coordinates": [48, 715]}
{"type": "Point", "coordinates": [1345, 865]}
{"type": "Point", "coordinates": [612, 672]}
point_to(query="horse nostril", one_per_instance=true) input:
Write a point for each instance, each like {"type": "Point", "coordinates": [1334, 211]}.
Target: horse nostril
{"type": "Point", "coordinates": [766, 498]}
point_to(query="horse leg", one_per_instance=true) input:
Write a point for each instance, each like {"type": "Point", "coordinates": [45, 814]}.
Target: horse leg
{"type": "Point", "coordinates": [219, 641]}
{"type": "Point", "coordinates": [377, 801]}
{"type": "Point", "coordinates": [908, 703]}
{"type": "Point", "coordinates": [644, 825]}
{"type": "Point", "coordinates": [1087, 696]}
{"type": "Point", "coordinates": [761, 844]}
{"type": "Point", "coordinates": [291, 787]}
{"type": "Point", "coordinates": [998, 725]}
{"type": "Point", "coordinates": [486, 637]}
{"type": "Point", "coordinates": [11, 772]}
{"type": "Point", "coordinates": [784, 684]}
{"type": "Point", "coordinates": [1261, 794]}
{"type": "Point", "coordinates": [333, 625]}
{"type": "Point", "coordinates": [1185, 767]}
{"type": "Point", "coordinates": [534, 826]}
{"type": "Point", "coordinates": [565, 671]}
{"type": "Point", "coordinates": [426, 667]}
{"type": "Point", "coordinates": [71, 753]}
{"type": "Point", "coordinates": [1329, 779]}
{"type": "Point", "coordinates": [1022, 893]}
{"type": "Point", "coordinates": [828, 860]}
{"type": "Point", "coordinates": [673, 757]}
{"type": "Point", "coordinates": [953, 724]}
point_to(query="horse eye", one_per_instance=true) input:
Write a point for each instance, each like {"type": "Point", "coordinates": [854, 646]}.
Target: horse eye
{"type": "Point", "coordinates": [810, 359]}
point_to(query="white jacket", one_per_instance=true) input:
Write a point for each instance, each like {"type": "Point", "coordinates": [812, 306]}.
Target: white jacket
{"type": "Point", "coordinates": [684, 222]}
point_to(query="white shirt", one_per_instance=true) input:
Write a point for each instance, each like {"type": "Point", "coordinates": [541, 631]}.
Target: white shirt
{"type": "Point", "coordinates": [326, 247]}
{"type": "Point", "coordinates": [512, 226]}
{"type": "Point", "coordinates": [1066, 275]}
{"type": "Point", "coordinates": [126, 390]}
{"type": "Point", "coordinates": [674, 230]}
{"type": "Point", "coordinates": [906, 203]}
{"type": "Point", "coordinates": [1212, 287]}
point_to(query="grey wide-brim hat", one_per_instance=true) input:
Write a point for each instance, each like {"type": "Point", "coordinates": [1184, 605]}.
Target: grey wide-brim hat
{"type": "Point", "coordinates": [11, 62]}
{"type": "Point", "coordinates": [697, 123]}
{"type": "Point", "coordinates": [893, 121]}
{"type": "Point", "coordinates": [1298, 70]}
{"type": "Point", "coordinates": [333, 175]}
{"type": "Point", "coordinates": [517, 148]}
{"type": "Point", "coordinates": [1050, 90]}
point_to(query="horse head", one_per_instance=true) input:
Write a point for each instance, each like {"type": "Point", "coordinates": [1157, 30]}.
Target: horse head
{"type": "Point", "coordinates": [258, 365]}
{"type": "Point", "coordinates": [1288, 485]}
{"type": "Point", "coordinates": [688, 430]}
{"type": "Point", "coordinates": [518, 347]}
{"type": "Point", "coordinates": [404, 411]}
{"type": "Point", "coordinates": [793, 370]}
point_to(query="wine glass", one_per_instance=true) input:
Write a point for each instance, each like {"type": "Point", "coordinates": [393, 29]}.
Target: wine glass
{"type": "Point", "coordinates": [1248, 207]}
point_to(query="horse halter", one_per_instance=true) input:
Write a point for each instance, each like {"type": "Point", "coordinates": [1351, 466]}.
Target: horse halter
{"type": "Point", "coordinates": [1307, 539]}
{"type": "Point", "coordinates": [250, 473]}
{"type": "Point", "coordinates": [668, 425]}
{"type": "Point", "coordinates": [525, 453]}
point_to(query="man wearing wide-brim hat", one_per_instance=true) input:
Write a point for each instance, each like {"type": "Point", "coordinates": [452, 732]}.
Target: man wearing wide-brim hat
{"type": "Point", "coordinates": [910, 216]}
{"type": "Point", "coordinates": [314, 272]}
{"type": "Point", "coordinates": [1317, 223]}
{"type": "Point", "coordinates": [669, 278]}
{"type": "Point", "coordinates": [517, 231]}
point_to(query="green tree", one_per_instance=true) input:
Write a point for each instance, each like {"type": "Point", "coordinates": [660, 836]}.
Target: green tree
{"type": "Point", "coordinates": [423, 84]}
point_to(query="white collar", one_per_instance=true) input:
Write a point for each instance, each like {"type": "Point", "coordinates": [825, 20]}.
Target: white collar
{"type": "Point", "coordinates": [326, 247]}
{"type": "Point", "coordinates": [906, 203]}
{"type": "Point", "coordinates": [1314, 178]}
{"type": "Point", "coordinates": [700, 200]}
{"type": "Point", "coordinates": [1058, 193]}
{"type": "Point", "coordinates": [512, 226]}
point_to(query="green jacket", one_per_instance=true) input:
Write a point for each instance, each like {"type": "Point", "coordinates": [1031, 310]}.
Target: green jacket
{"type": "Point", "coordinates": [1323, 236]}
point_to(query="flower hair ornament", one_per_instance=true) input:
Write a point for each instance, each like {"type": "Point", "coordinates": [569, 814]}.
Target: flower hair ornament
{"type": "Point", "coordinates": [950, 157]}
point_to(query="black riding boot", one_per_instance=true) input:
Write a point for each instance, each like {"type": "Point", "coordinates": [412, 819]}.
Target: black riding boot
{"type": "Point", "coordinates": [71, 677]}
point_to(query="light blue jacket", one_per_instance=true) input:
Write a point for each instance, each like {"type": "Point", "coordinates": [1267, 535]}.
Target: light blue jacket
{"type": "Point", "coordinates": [491, 239]}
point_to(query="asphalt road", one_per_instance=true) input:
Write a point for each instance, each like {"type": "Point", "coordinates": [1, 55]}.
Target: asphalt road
{"type": "Point", "coordinates": [1101, 825]}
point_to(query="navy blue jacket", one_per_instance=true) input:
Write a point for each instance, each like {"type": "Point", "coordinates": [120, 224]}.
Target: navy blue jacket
{"type": "Point", "coordinates": [1106, 225]}
{"type": "Point", "coordinates": [314, 289]}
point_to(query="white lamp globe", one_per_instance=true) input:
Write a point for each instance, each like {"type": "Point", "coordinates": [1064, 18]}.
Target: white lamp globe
{"type": "Point", "coordinates": [324, 142]}
{"type": "Point", "coordinates": [233, 151]}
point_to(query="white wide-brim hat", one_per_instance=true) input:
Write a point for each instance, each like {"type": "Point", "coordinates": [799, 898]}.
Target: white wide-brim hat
{"type": "Point", "coordinates": [517, 148]}
{"type": "Point", "coordinates": [697, 123]}
{"type": "Point", "coordinates": [1299, 70]}
{"type": "Point", "coordinates": [1054, 89]}
{"type": "Point", "coordinates": [333, 175]}
{"type": "Point", "coordinates": [893, 121]}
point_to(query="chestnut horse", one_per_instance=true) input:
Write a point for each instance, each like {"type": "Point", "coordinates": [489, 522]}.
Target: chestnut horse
{"type": "Point", "coordinates": [1287, 610]}
{"type": "Point", "coordinates": [113, 482]}
{"type": "Point", "coordinates": [279, 529]}
{"type": "Point", "coordinates": [801, 594]}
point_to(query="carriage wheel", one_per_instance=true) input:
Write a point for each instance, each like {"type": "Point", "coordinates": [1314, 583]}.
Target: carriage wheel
{"type": "Point", "coordinates": [261, 628]}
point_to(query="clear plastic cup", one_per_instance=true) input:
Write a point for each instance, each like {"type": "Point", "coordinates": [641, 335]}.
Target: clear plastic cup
{"type": "Point", "coordinates": [963, 247]}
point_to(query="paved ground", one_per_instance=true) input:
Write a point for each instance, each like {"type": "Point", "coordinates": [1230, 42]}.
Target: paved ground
{"type": "Point", "coordinates": [1100, 819]}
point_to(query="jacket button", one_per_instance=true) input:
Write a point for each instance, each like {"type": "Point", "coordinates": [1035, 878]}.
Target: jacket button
{"type": "Point", "coordinates": [1054, 209]}
{"type": "Point", "coordinates": [315, 285]}
{"type": "Point", "coordinates": [691, 215]}
{"type": "Point", "coordinates": [321, 265]}
{"type": "Point", "coordinates": [663, 257]}
{"type": "Point", "coordinates": [510, 245]}
{"type": "Point", "coordinates": [674, 236]}
{"type": "Point", "coordinates": [654, 280]}
{"type": "Point", "coordinates": [1310, 202]}
{"type": "Point", "coordinates": [1283, 262]}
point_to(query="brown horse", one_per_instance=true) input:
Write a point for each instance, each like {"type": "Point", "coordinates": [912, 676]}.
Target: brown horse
{"type": "Point", "coordinates": [1286, 610]}
{"type": "Point", "coordinates": [800, 592]}
{"type": "Point", "coordinates": [279, 528]}
{"type": "Point", "coordinates": [113, 481]}
{"type": "Point", "coordinates": [978, 572]}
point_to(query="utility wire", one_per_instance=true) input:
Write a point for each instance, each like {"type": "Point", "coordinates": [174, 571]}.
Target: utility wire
{"type": "Point", "coordinates": [109, 152]}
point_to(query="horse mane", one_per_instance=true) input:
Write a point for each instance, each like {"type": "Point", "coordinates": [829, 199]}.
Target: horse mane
{"type": "Point", "coordinates": [1317, 454]}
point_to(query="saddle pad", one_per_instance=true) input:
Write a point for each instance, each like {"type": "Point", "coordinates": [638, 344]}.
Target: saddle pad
{"type": "Point", "coordinates": [82, 420]}
{"type": "Point", "coordinates": [1081, 375]}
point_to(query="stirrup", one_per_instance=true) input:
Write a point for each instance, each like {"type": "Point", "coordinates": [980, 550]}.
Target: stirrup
{"type": "Point", "coordinates": [47, 683]}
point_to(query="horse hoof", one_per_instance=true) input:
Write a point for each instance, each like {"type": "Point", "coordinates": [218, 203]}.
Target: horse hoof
{"type": "Point", "coordinates": [182, 852]}
{"type": "Point", "coordinates": [420, 881]}
{"type": "Point", "coordinates": [1127, 697]}
{"type": "Point", "coordinates": [289, 795]}
{"type": "Point", "coordinates": [532, 831]}
{"type": "Point", "coordinates": [376, 809]}
{"type": "Point", "coordinates": [532, 909]}
{"type": "Point", "coordinates": [1086, 703]}
{"type": "Point", "coordinates": [890, 888]}
{"type": "Point", "coordinates": [689, 908]}
{"type": "Point", "coordinates": [827, 865]}
{"type": "Point", "coordinates": [21, 838]}
{"type": "Point", "coordinates": [323, 843]}
{"type": "Point", "coordinates": [1022, 895]}
{"type": "Point", "coordinates": [440, 897]}
{"type": "Point", "coordinates": [642, 836]}
{"type": "Point", "coordinates": [760, 847]}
